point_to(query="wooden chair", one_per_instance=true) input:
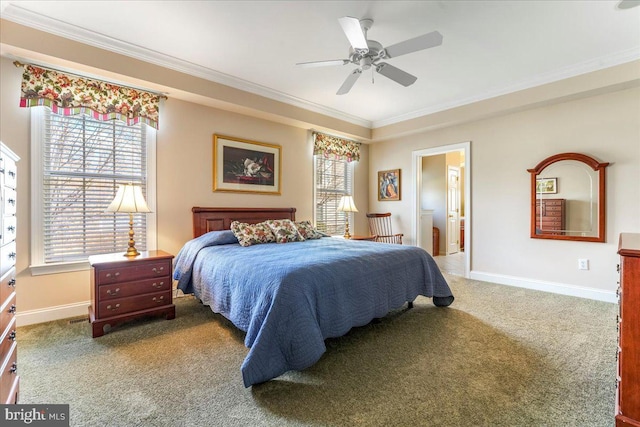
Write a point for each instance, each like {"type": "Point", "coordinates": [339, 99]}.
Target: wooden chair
{"type": "Point", "coordinates": [380, 226]}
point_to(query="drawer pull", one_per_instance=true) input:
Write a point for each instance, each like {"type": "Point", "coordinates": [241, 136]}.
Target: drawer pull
{"type": "Point", "coordinates": [14, 368]}
{"type": "Point", "coordinates": [113, 292]}
{"type": "Point", "coordinates": [12, 282]}
{"type": "Point", "coordinates": [158, 270]}
{"type": "Point", "coordinates": [158, 300]}
{"type": "Point", "coordinates": [158, 285]}
{"type": "Point", "coordinates": [12, 174]}
{"type": "Point", "coordinates": [116, 274]}
{"type": "Point", "coordinates": [12, 309]}
{"type": "Point", "coordinates": [12, 255]}
{"type": "Point", "coordinates": [113, 308]}
{"type": "Point", "coordinates": [11, 201]}
{"type": "Point", "coordinates": [12, 336]}
{"type": "Point", "coordinates": [11, 229]}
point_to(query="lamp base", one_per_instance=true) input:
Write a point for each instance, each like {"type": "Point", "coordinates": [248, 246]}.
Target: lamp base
{"type": "Point", "coordinates": [131, 250]}
{"type": "Point", "coordinates": [346, 230]}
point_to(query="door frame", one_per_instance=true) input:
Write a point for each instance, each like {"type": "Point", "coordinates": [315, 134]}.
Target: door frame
{"type": "Point", "coordinates": [417, 156]}
{"type": "Point", "coordinates": [456, 229]}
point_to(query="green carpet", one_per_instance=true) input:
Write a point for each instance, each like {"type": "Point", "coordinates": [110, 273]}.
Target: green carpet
{"type": "Point", "coordinates": [499, 356]}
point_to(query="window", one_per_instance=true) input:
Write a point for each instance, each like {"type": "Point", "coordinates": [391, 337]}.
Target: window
{"type": "Point", "coordinates": [77, 164]}
{"type": "Point", "coordinates": [333, 179]}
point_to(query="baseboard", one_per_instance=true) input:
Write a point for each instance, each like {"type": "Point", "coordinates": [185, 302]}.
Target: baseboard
{"type": "Point", "coordinates": [539, 285]}
{"type": "Point", "coordinates": [24, 318]}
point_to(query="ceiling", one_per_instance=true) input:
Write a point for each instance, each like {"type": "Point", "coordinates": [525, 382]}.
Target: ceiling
{"type": "Point", "coordinates": [489, 48]}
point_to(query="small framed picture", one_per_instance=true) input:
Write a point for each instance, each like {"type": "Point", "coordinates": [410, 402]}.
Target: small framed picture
{"type": "Point", "coordinates": [244, 166]}
{"type": "Point", "coordinates": [389, 185]}
{"type": "Point", "coordinates": [547, 185]}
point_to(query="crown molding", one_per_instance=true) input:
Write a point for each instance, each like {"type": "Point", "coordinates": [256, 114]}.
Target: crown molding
{"type": "Point", "coordinates": [40, 22]}
{"type": "Point", "coordinates": [592, 65]}
{"type": "Point", "coordinates": [13, 12]}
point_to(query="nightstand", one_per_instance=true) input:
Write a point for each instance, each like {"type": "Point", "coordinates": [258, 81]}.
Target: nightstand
{"type": "Point", "coordinates": [370, 238]}
{"type": "Point", "coordinates": [124, 288]}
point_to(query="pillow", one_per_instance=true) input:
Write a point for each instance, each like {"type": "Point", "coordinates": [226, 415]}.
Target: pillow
{"type": "Point", "coordinates": [307, 230]}
{"type": "Point", "coordinates": [285, 230]}
{"type": "Point", "coordinates": [252, 234]}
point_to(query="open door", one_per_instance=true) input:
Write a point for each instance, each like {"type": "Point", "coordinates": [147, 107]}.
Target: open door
{"type": "Point", "coordinates": [453, 210]}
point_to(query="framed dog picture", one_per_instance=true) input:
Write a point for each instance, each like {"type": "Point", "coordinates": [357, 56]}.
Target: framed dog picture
{"type": "Point", "coordinates": [244, 166]}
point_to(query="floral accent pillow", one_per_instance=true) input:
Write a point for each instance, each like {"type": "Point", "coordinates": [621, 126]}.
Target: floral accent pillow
{"type": "Point", "coordinates": [252, 234]}
{"type": "Point", "coordinates": [307, 230]}
{"type": "Point", "coordinates": [285, 230]}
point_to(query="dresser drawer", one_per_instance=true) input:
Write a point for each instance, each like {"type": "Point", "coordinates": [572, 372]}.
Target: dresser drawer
{"type": "Point", "coordinates": [118, 306]}
{"type": "Point", "coordinates": [8, 231]}
{"type": "Point", "coordinates": [8, 375]}
{"type": "Point", "coordinates": [7, 337]}
{"type": "Point", "coordinates": [10, 172]}
{"type": "Point", "coordinates": [121, 290]}
{"type": "Point", "coordinates": [7, 257]}
{"type": "Point", "coordinates": [7, 311]}
{"type": "Point", "coordinates": [7, 285]}
{"type": "Point", "coordinates": [9, 201]}
{"type": "Point", "coordinates": [126, 274]}
{"type": "Point", "coordinates": [551, 225]}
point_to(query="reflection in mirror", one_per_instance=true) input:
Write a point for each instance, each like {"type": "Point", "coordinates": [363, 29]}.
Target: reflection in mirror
{"type": "Point", "coordinates": [568, 198]}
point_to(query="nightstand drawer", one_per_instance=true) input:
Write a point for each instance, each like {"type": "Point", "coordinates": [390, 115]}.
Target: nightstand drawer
{"type": "Point", "coordinates": [118, 306]}
{"type": "Point", "coordinates": [121, 290]}
{"type": "Point", "coordinates": [146, 270]}
{"type": "Point", "coordinates": [7, 337]}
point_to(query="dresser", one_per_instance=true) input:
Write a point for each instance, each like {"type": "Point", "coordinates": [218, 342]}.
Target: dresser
{"type": "Point", "coordinates": [550, 216]}
{"type": "Point", "coordinates": [126, 288]}
{"type": "Point", "coordinates": [9, 379]}
{"type": "Point", "coordinates": [628, 379]}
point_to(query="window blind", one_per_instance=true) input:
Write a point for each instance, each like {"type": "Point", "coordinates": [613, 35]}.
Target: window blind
{"type": "Point", "coordinates": [84, 160]}
{"type": "Point", "coordinates": [333, 179]}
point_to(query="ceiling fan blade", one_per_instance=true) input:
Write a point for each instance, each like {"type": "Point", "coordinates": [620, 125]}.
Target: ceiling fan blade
{"type": "Point", "coordinates": [353, 31]}
{"type": "Point", "coordinates": [349, 82]}
{"type": "Point", "coordinates": [415, 44]}
{"type": "Point", "coordinates": [323, 63]}
{"type": "Point", "coordinates": [396, 74]}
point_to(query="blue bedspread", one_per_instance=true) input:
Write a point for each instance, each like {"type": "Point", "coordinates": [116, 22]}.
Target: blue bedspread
{"type": "Point", "coordinates": [290, 297]}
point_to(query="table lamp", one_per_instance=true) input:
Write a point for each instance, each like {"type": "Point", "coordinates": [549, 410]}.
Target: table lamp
{"type": "Point", "coordinates": [129, 199]}
{"type": "Point", "coordinates": [347, 205]}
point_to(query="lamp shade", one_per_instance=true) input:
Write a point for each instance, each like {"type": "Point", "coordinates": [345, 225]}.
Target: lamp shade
{"type": "Point", "coordinates": [347, 205]}
{"type": "Point", "coordinates": [129, 199]}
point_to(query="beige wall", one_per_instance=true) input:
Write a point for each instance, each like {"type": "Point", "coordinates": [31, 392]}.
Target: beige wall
{"type": "Point", "coordinates": [184, 180]}
{"type": "Point", "coordinates": [605, 126]}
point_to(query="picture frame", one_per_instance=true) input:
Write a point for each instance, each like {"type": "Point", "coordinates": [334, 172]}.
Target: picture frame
{"type": "Point", "coordinates": [245, 166]}
{"type": "Point", "coordinates": [389, 185]}
{"type": "Point", "coordinates": [546, 185]}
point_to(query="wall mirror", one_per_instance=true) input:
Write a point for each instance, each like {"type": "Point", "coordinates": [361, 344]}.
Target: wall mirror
{"type": "Point", "coordinates": [568, 198]}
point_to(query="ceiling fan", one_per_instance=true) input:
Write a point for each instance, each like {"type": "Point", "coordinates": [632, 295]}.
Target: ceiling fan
{"type": "Point", "coordinates": [370, 53]}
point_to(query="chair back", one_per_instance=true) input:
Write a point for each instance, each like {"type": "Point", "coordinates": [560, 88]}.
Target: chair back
{"type": "Point", "coordinates": [380, 226]}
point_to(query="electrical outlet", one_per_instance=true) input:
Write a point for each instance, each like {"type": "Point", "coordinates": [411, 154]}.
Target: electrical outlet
{"type": "Point", "coordinates": [583, 264]}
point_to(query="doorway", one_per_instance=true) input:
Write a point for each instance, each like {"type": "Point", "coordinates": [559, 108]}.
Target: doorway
{"type": "Point", "coordinates": [448, 207]}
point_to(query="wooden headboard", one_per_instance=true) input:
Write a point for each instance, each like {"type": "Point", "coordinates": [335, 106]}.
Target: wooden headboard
{"type": "Point", "coordinates": [213, 219]}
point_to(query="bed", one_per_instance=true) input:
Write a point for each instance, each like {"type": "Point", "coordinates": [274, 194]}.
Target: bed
{"type": "Point", "coordinates": [290, 297]}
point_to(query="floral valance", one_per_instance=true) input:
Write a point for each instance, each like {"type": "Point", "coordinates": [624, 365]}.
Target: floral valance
{"type": "Point", "coordinates": [337, 147]}
{"type": "Point", "coordinates": [69, 95]}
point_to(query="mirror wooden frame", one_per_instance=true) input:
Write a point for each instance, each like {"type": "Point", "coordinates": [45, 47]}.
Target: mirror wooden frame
{"type": "Point", "coordinates": [596, 166]}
